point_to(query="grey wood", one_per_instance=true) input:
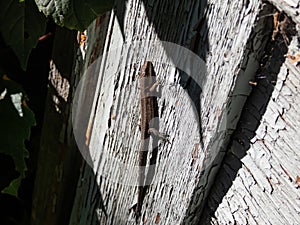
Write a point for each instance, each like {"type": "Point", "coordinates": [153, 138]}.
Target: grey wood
{"type": "Point", "coordinates": [231, 42]}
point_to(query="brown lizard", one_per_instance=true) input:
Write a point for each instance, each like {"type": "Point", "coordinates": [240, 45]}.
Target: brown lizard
{"type": "Point", "coordinates": [149, 126]}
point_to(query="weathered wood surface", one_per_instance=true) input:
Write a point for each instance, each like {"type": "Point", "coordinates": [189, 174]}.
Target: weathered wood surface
{"type": "Point", "coordinates": [231, 41]}
{"type": "Point", "coordinates": [265, 189]}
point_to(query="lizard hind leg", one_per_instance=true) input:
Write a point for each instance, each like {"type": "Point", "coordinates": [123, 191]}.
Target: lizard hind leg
{"type": "Point", "coordinates": [156, 133]}
{"type": "Point", "coordinates": [162, 136]}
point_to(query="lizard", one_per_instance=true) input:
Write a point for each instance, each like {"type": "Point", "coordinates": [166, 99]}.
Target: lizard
{"type": "Point", "coordinates": [149, 127]}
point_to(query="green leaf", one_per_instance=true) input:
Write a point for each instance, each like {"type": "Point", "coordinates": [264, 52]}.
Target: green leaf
{"type": "Point", "coordinates": [13, 187]}
{"type": "Point", "coordinates": [21, 26]}
{"type": "Point", "coordinates": [16, 120]}
{"type": "Point", "coordinates": [74, 14]}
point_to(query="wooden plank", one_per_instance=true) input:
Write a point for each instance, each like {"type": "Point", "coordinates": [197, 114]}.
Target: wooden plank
{"type": "Point", "coordinates": [205, 109]}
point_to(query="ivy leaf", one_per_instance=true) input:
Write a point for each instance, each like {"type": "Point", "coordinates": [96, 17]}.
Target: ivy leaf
{"type": "Point", "coordinates": [21, 26]}
{"type": "Point", "coordinates": [13, 187]}
{"type": "Point", "coordinates": [16, 120]}
{"type": "Point", "coordinates": [74, 14]}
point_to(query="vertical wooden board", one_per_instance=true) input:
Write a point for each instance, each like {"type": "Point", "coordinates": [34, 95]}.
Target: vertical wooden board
{"type": "Point", "coordinates": [265, 189]}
